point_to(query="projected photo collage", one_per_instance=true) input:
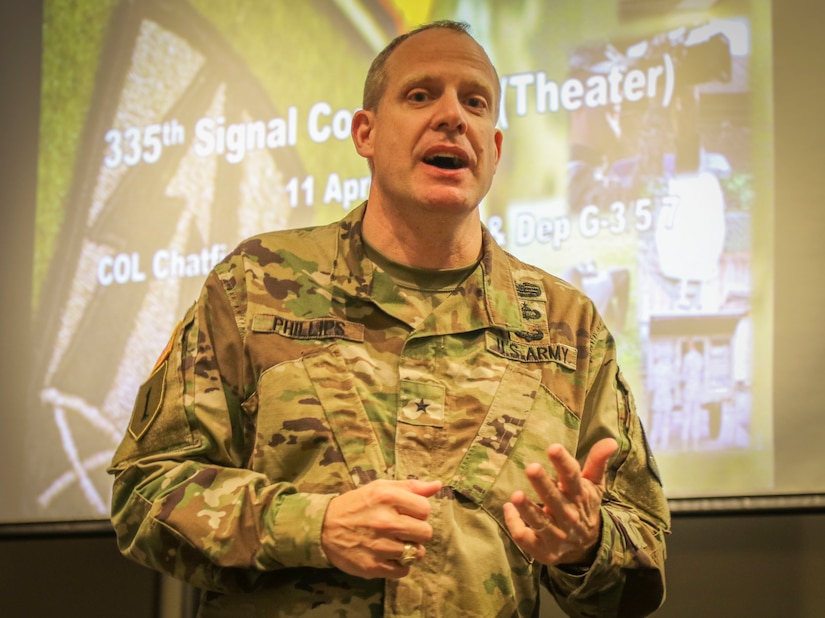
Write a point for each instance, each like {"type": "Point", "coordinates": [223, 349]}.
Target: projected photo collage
{"type": "Point", "coordinates": [636, 165]}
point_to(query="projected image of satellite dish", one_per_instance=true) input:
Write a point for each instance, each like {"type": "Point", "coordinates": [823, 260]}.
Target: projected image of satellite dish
{"type": "Point", "coordinates": [690, 237]}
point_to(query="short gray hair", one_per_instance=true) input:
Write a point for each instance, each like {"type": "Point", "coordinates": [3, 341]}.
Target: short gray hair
{"type": "Point", "coordinates": [376, 82]}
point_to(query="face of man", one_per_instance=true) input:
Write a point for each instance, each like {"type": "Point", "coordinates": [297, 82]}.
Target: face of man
{"type": "Point", "coordinates": [432, 139]}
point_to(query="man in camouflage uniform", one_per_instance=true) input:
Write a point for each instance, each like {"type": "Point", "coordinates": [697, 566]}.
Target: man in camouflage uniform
{"type": "Point", "coordinates": [352, 418]}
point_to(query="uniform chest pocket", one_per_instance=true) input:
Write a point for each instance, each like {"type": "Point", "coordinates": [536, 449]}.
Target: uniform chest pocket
{"type": "Point", "coordinates": [523, 421]}
{"type": "Point", "coordinates": [311, 427]}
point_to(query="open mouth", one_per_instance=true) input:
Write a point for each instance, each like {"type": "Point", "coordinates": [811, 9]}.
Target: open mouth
{"type": "Point", "coordinates": [446, 162]}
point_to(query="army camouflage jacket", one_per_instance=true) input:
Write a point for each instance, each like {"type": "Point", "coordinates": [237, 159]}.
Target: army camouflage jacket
{"type": "Point", "coordinates": [303, 372]}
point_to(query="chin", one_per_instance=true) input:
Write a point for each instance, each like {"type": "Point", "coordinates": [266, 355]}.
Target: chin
{"type": "Point", "coordinates": [450, 201]}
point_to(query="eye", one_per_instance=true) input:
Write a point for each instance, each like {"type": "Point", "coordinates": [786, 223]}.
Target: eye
{"type": "Point", "coordinates": [477, 102]}
{"type": "Point", "coordinates": [418, 96]}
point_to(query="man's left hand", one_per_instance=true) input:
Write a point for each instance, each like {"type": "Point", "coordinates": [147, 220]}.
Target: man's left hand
{"type": "Point", "coordinates": [565, 528]}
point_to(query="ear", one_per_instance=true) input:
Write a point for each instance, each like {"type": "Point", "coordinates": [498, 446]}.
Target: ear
{"type": "Point", "coordinates": [499, 138]}
{"type": "Point", "coordinates": [363, 123]}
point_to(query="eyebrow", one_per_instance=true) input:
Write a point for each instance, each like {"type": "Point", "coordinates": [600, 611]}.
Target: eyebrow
{"type": "Point", "coordinates": [473, 84]}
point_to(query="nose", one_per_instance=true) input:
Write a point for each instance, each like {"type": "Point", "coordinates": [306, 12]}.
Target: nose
{"type": "Point", "coordinates": [449, 114]}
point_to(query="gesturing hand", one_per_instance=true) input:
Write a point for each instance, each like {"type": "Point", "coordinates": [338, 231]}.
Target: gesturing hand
{"type": "Point", "coordinates": [366, 530]}
{"type": "Point", "coordinates": [566, 527]}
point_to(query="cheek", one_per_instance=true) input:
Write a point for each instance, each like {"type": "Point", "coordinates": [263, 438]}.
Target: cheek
{"type": "Point", "coordinates": [489, 156]}
{"type": "Point", "coordinates": [488, 145]}
{"type": "Point", "coordinates": [391, 140]}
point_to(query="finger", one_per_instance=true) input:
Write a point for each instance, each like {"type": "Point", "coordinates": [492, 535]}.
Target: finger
{"type": "Point", "coordinates": [519, 529]}
{"type": "Point", "coordinates": [412, 505]}
{"type": "Point", "coordinates": [547, 489]}
{"type": "Point", "coordinates": [390, 510]}
{"type": "Point", "coordinates": [567, 468]}
{"type": "Point", "coordinates": [412, 530]}
{"type": "Point", "coordinates": [393, 549]}
{"type": "Point", "coordinates": [408, 551]}
{"type": "Point", "coordinates": [538, 520]}
{"type": "Point", "coordinates": [404, 496]}
{"type": "Point", "coordinates": [388, 523]}
{"type": "Point", "coordinates": [536, 543]}
{"type": "Point", "coordinates": [388, 569]}
{"type": "Point", "coordinates": [396, 563]}
{"type": "Point", "coordinates": [381, 558]}
{"type": "Point", "coordinates": [596, 464]}
{"type": "Point", "coordinates": [372, 563]}
{"type": "Point", "coordinates": [426, 489]}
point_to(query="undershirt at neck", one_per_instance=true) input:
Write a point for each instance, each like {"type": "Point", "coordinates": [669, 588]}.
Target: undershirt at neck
{"type": "Point", "coordinates": [434, 282]}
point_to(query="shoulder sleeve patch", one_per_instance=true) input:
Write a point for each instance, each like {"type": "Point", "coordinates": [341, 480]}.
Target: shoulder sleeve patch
{"type": "Point", "coordinates": [168, 349]}
{"type": "Point", "coordinates": [148, 400]}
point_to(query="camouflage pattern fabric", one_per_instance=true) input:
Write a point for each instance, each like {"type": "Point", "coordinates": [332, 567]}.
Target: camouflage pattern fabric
{"type": "Point", "coordinates": [274, 396]}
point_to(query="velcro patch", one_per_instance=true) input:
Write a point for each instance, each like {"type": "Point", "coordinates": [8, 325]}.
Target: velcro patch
{"type": "Point", "coordinates": [148, 401]}
{"type": "Point", "coordinates": [168, 349]}
{"type": "Point", "coordinates": [501, 345]}
{"type": "Point", "coordinates": [317, 328]}
{"type": "Point", "coordinates": [422, 403]}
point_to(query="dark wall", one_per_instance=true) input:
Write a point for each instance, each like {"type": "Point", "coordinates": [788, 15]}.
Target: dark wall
{"type": "Point", "coordinates": [752, 566]}
{"type": "Point", "coordinates": [758, 566]}
{"type": "Point", "coordinates": [73, 577]}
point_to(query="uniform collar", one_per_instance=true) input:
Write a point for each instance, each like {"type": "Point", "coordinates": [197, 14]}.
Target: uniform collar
{"type": "Point", "coordinates": [492, 282]}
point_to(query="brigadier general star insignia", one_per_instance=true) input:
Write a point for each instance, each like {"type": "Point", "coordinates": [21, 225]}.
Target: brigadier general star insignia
{"type": "Point", "coordinates": [421, 405]}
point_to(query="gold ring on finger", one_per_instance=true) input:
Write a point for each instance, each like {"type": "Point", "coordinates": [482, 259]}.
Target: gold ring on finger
{"type": "Point", "coordinates": [408, 554]}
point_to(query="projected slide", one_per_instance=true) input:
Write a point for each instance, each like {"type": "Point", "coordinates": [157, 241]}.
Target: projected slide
{"type": "Point", "coordinates": [636, 165]}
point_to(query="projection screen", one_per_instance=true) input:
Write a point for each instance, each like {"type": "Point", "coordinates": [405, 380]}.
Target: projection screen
{"type": "Point", "coordinates": [637, 164]}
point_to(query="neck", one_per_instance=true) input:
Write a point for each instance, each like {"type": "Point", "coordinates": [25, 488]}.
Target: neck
{"type": "Point", "coordinates": [424, 239]}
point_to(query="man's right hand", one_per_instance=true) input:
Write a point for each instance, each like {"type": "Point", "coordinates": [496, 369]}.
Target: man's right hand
{"type": "Point", "coordinates": [365, 530]}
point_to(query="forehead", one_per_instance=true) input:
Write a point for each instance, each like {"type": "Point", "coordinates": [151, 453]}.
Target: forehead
{"type": "Point", "coordinates": [441, 52]}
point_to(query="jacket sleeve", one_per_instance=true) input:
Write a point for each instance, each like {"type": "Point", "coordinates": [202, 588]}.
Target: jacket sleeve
{"type": "Point", "coordinates": [184, 502]}
{"type": "Point", "coordinates": [627, 577]}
